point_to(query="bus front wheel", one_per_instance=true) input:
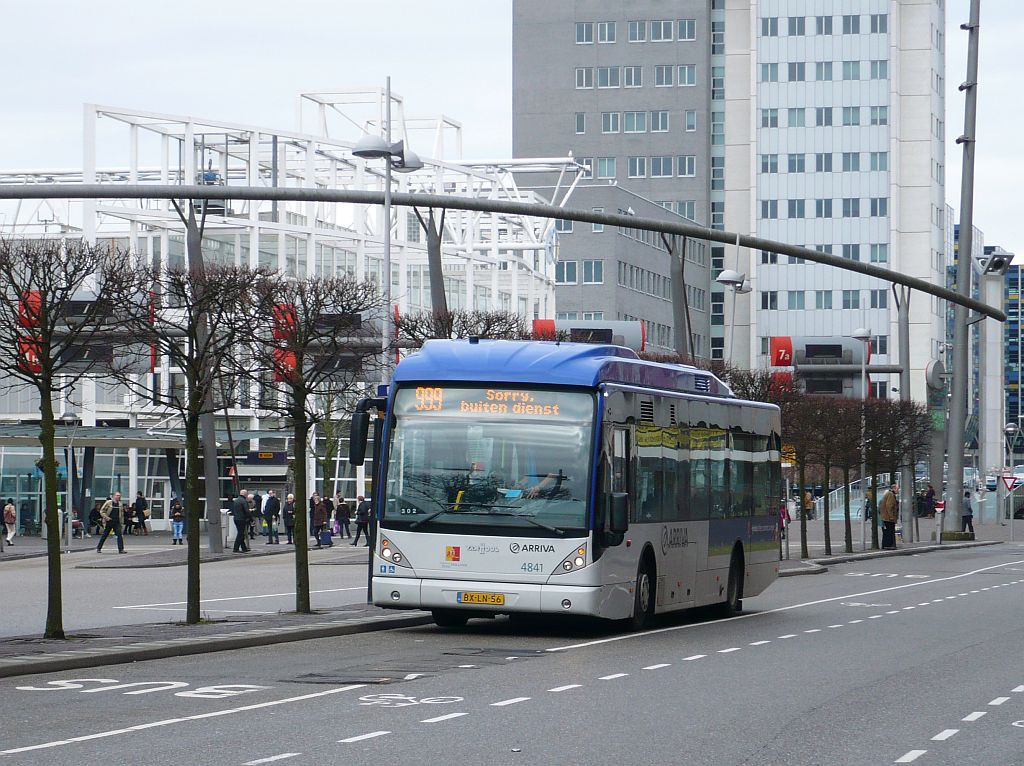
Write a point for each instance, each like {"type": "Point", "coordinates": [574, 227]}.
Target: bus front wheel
{"type": "Point", "coordinates": [445, 618]}
{"type": "Point", "coordinates": [643, 597]}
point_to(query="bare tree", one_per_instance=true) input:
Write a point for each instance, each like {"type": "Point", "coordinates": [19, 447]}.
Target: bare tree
{"type": "Point", "coordinates": [194, 319]}
{"type": "Point", "coordinates": [308, 335]}
{"type": "Point", "coordinates": [55, 298]}
{"type": "Point", "coordinates": [417, 329]}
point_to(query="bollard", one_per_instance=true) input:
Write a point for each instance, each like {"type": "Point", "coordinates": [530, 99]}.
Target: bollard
{"type": "Point", "coordinates": [940, 511]}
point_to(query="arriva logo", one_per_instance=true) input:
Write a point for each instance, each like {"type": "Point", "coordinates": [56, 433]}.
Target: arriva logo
{"type": "Point", "coordinates": [531, 548]}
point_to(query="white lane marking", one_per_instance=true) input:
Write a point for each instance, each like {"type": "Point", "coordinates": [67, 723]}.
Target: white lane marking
{"type": "Point", "coordinates": [759, 643]}
{"type": "Point", "coordinates": [788, 635]}
{"type": "Point", "coordinates": [909, 607]}
{"type": "Point", "coordinates": [443, 718]}
{"type": "Point", "coordinates": [854, 622]}
{"type": "Point", "coordinates": [973, 716]}
{"type": "Point", "coordinates": [185, 609]}
{"type": "Point", "coordinates": [694, 657]}
{"type": "Point", "coordinates": [361, 737]}
{"type": "Point", "coordinates": [910, 757]}
{"type": "Point", "coordinates": [233, 598]}
{"type": "Point", "coordinates": [813, 630]}
{"type": "Point", "coordinates": [925, 603]}
{"type": "Point", "coordinates": [726, 651]}
{"type": "Point", "coordinates": [1018, 689]}
{"type": "Point", "coordinates": [565, 688]}
{"type": "Point", "coordinates": [999, 700]}
{"type": "Point", "coordinates": [893, 611]}
{"type": "Point", "coordinates": [183, 719]}
{"type": "Point", "coordinates": [642, 634]}
{"type": "Point", "coordinates": [658, 666]}
{"type": "Point", "coordinates": [512, 701]}
{"type": "Point", "coordinates": [942, 736]}
{"type": "Point", "coordinates": [612, 676]}
{"type": "Point", "coordinates": [271, 759]}
{"type": "Point", "coordinates": [875, 616]}
{"type": "Point", "coordinates": [836, 626]}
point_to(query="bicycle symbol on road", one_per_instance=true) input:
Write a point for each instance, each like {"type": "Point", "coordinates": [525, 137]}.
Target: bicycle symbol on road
{"type": "Point", "coordinates": [404, 700]}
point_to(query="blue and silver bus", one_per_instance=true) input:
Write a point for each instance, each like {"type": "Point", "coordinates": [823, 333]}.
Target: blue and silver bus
{"type": "Point", "coordinates": [535, 477]}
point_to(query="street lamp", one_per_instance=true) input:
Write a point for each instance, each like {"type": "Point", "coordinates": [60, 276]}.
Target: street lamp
{"type": "Point", "coordinates": [740, 286]}
{"type": "Point", "coordinates": [864, 336]}
{"type": "Point", "coordinates": [396, 157]}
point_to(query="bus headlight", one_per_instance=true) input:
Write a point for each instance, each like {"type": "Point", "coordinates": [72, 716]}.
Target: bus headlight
{"type": "Point", "coordinates": [575, 560]}
{"type": "Point", "coordinates": [389, 552]}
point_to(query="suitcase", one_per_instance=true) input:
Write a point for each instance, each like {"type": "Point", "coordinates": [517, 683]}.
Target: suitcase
{"type": "Point", "coordinates": [325, 538]}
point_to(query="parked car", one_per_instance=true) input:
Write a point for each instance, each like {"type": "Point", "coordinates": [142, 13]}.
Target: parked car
{"type": "Point", "coordinates": [991, 482]}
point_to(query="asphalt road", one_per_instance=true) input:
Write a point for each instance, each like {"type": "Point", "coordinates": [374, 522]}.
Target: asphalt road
{"type": "Point", "coordinates": [910, 659]}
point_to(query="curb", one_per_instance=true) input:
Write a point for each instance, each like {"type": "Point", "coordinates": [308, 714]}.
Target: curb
{"type": "Point", "coordinates": [805, 568]}
{"type": "Point", "coordinates": [53, 662]}
{"type": "Point", "coordinates": [867, 555]}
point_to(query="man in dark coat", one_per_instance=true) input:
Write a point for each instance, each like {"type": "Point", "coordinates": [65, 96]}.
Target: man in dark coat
{"type": "Point", "coordinates": [271, 513]}
{"type": "Point", "coordinates": [241, 515]}
{"type": "Point", "coordinates": [288, 517]}
{"type": "Point", "coordinates": [362, 520]}
{"type": "Point", "coordinates": [114, 513]}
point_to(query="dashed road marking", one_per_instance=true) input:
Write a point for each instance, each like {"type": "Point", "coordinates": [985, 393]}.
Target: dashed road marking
{"type": "Point", "coordinates": [731, 649]}
{"type": "Point", "coordinates": [910, 757]}
{"type": "Point", "coordinates": [793, 635]}
{"type": "Point", "coordinates": [813, 630]}
{"type": "Point", "coordinates": [999, 700]}
{"type": "Point", "coordinates": [694, 657]}
{"type": "Point", "coordinates": [361, 737]}
{"type": "Point", "coordinates": [440, 718]}
{"type": "Point", "coordinates": [271, 759]}
{"type": "Point", "coordinates": [658, 666]}
{"type": "Point", "coordinates": [973, 716]}
{"type": "Point", "coordinates": [1018, 689]}
{"type": "Point", "coordinates": [612, 676]}
{"type": "Point", "coordinates": [942, 736]}
{"type": "Point", "coordinates": [512, 701]}
{"type": "Point", "coordinates": [759, 643]}
{"type": "Point", "coordinates": [565, 688]}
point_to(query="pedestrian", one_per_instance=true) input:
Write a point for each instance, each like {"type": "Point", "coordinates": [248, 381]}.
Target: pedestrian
{"type": "Point", "coordinates": [95, 519]}
{"type": "Point", "coordinates": [177, 512]}
{"type": "Point", "coordinates": [141, 509]}
{"type": "Point", "coordinates": [10, 521]}
{"type": "Point", "coordinates": [889, 511]}
{"type": "Point", "coordinates": [362, 520]}
{"type": "Point", "coordinates": [257, 514]}
{"type": "Point", "coordinates": [271, 513]}
{"type": "Point", "coordinates": [808, 505]}
{"type": "Point", "coordinates": [241, 515]}
{"type": "Point", "coordinates": [114, 514]}
{"type": "Point", "coordinates": [344, 515]}
{"type": "Point", "coordinates": [967, 514]}
{"type": "Point", "coordinates": [320, 519]}
{"type": "Point", "coordinates": [784, 519]}
{"type": "Point", "coordinates": [313, 500]}
{"type": "Point", "coordinates": [288, 517]}
{"type": "Point", "coordinates": [929, 501]}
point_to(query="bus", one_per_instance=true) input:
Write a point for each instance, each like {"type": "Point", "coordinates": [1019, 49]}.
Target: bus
{"type": "Point", "coordinates": [536, 477]}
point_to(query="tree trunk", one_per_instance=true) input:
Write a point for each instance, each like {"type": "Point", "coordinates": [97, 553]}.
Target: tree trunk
{"type": "Point", "coordinates": [826, 520]}
{"type": "Point", "coordinates": [54, 602]}
{"type": "Point", "coordinates": [848, 539]}
{"type": "Point", "coordinates": [193, 514]}
{"type": "Point", "coordinates": [302, 605]}
{"type": "Point", "coordinates": [801, 464]}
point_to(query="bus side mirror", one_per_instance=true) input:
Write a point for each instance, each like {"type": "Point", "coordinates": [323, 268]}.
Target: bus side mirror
{"type": "Point", "coordinates": [357, 437]}
{"type": "Point", "coordinates": [619, 517]}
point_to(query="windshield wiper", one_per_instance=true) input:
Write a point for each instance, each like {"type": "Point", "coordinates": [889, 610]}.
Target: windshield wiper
{"type": "Point", "coordinates": [531, 520]}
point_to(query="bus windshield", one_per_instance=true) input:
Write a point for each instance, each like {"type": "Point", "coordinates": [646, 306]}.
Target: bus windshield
{"type": "Point", "coordinates": [490, 458]}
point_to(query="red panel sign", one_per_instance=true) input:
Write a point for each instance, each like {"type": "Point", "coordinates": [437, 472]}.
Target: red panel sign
{"type": "Point", "coordinates": [285, 320]}
{"type": "Point", "coordinates": [781, 349]}
{"type": "Point", "coordinates": [30, 308]}
{"type": "Point", "coordinates": [284, 364]}
{"type": "Point", "coordinates": [29, 353]}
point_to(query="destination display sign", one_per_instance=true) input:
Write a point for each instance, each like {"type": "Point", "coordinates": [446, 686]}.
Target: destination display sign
{"type": "Point", "coordinates": [495, 402]}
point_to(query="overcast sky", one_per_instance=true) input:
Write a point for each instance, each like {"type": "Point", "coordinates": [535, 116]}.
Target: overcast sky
{"type": "Point", "coordinates": [246, 62]}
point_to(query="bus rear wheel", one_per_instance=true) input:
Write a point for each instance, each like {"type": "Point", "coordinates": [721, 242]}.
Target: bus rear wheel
{"type": "Point", "coordinates": [643, 597]}
{"type": "Point", "coordinates": [446, 618]}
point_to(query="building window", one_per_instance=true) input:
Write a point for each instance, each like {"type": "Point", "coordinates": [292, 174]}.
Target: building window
{"type": "Point", "coordinates": [661, 167]}
{"type": "Point", "coordinates": [880, 343]}
{"type": "Point", "coordinates": [717, 348]}
{"type": "Point", "coordinates": [690, 118]}
{"type": "Point", "coordinates": [567, 316]}
{"type": "Point", "coordinates": [632, 76]}
{"type": "Point", "coordinates": [851, 115]}
{"type": "Point", "coordinates": [563, 225]}
{"type": "Point", "coordinates": [770, 26]}
{"type": "Point", "coordinates": [879, 69]}
{"type": "Point", "coordinates": [687, 75]}
{"type": "Point", "coordinates": [717, 215]}
{"type": "Point", "coordinates": [687, 165]}
{"type": "Point", "coordinates": [822, 25]}
{"type": "Point", "coordinates": [823, 249]}
{"type": "Point", "coordinates": [879, 206]}
{"type": "Point", "coordinates": [606, 31]}
{"type": "Point", "coordinates": [795, 208]}
{"type": "Point", "coordinates": [717, 128]}
{"type": "Point", "coordinates": [823, 116]}
{"type": "Point", "coordinates": [663, 75]}
{"type": "Point", "coordinates": [597, 228]}
{"type": "Point", "coordinates": [637, 31]}
{"type": "Point", "coordinates": [609, 122]}
{"type": "Point", "coordinates": [822, 208]}
{"type": "Point", "coordinates": [637, 166]}
{"type": "Point", "coordinates": [588, 166]}
{"type": "Point", "coordinates": [593, 272]}
{"type": "Point", "coordinates": [769, 300]}
{"type": "Point", "coordinates": [823, 70]}
{"type": "Point", "coordinates": [879, 23]}
{"type": "Point", "coordinates": [769, 118]}
{"type": "Point", "coordinates": [851, 70]}
{"type": "Point", "coordinates": [635, 122]}
{"type": "Point", "coordinates": [879, 115]}
{"type": "Point", "coordinates": [565, 273]}
{"type": "Point", "coordinates": [851, 25]}
{"type": "Point", "coordinates": [769, 72]}
{"type": "Point", "coordinates": [851, 207]}
{"type": "Point", "coordinates": [769, 208]}
{"type": "Point", "coordinates": [796, 163]}
{"type": "Point", "coordinates": [687, 29]}
{"type": "Point", "coordinates": [795, 25]}
{"type": "Point", "coordinates": [769, 163]}
{"type": "Point", "coordinates": [661, 31]}
{"type": "Point", "coordinates": [879, 299]}
{"type": "Point", "coordinates": [659, 121]}
{"type": "Point", "coordinates": [593, 316]}
{"type": "Point", "coordinates": [584, 32]}
{"type": "Point", "coordinates": [795, 118]}
{"type": "Point", "coordinates": [823, 162]}
{"type": "Point", "coordinates": [608, 77]}
{"type": "Point", "coordinates": [581, 122]}
{"type": "Point", "coordinates": [717, 173]}
{"type": "Point", "coordinates": [851, 161]}
{"type": "Point", "coordinates": [584, 77]}
{"type": "Point", "coordinates": [606, 167]}
{"type": "Point", "coordinates": [717, 37]}
{"type": "Point", "coordinates": [718, 83]}
{"type": "Point", "coordinates": [851, 299]}
{"type": "Point", "coordinates": [796, 71]}
{"type": "Point", "coordinates": [823, 299]}
{"type": "Point", "coordinates": [879, 253]}
{"type": "Point", "coordinates": [768, 257]}
{"type": "Point", "coordinates": [851, 252]}
{"type": "Point", "coordinates": [687, 208]}
{"type": "Point", "coordinates": [795, 300]}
